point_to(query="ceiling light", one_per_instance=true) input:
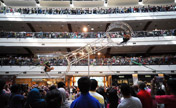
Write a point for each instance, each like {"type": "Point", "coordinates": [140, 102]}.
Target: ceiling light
{"type": "Point", "coordinates": [38, 5]}
{"type": "Point", "coordinates": [92, 28]}
{"type": "Point", "coordinates": [85, 29]}
{"type": "Point", "coordinates": [72, 5]}
{"type": "Point", "coordinates": [140, 3]}
{"type": "Point", "coordinates": [105, 5]}
{"type": "Point", "coordinates": [99, 53]}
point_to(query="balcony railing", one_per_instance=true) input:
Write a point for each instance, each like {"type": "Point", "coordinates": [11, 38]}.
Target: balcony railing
{"type": "Point", "coordinates": [81, 35]}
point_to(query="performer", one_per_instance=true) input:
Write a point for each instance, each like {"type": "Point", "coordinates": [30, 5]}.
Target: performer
{"type": "Point", "coordinates": [126, 38]}
{"type": "Point", "coordinates": [48, 68]}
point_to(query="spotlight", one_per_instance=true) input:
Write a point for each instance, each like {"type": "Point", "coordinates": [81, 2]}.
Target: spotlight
{"type": "Point", "coordinates": [85, 29]}
{"type": "Point", "coordinates": [99, 53]}
{"type": "Point", "coordinates": [72, 5]}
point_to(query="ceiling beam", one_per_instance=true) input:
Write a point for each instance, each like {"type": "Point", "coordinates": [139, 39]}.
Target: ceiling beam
{"type": "Point", "coordinates": [108, 51]}
{"type": "Point", "coordinates": [150, 49]}
{"type": "Point", "coordinates": [68, 50]}
{"type": "Point", "coordinates": [2, 1]}
{"type": "Point", "coordinates": [107, 26]}
{"type": "Point", "coordinates": [69, 27]}
{"type": "Point", "coordinates": [28, 50]}
{"type": "Point", "coordinates": [31, 27]}
{"type": "Point", "coordinates": [147, 25]}
{"type": "Point", "coordinates": [37, 1]}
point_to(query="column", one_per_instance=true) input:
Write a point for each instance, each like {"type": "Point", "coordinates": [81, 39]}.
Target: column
{"type": "Point", "coordinates": [135, 79]}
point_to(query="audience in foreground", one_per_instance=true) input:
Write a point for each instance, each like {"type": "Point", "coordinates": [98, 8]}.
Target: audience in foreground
{"type": "Point", "coordinates": [168, 100]}
{"type": "Point", "coordinates": [128, 101]}
{"type": "Point", "coordinates": [121, 96]}
{"type": "Point", "coordinates": [85, 100]}
{"type": "Point", "coordinates": [96, 95]}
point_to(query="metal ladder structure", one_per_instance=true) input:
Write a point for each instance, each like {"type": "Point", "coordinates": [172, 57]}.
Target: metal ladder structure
{"type": "Point", "coordinates": [93, 47]}
{"type": "Point", "coordinates": [97, 45]}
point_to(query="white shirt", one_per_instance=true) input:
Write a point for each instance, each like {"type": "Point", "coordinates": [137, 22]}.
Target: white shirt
{"type": "Point", "coordinates": [131, 102]}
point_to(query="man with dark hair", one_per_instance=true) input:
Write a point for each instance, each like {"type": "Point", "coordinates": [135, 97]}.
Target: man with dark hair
{"type": "Point", "coordinates": [53, 99]}
{"type": "Point", "coordinates": [61, 85]}
{"type": "Point", "coordinates": [93, 92]}
{"type": "Point", "coordinates": [61, 88]}
{"type": "Point", "coordinates": [16, 99]}
{"type": "Point", "coordinates": [144, 96]}
{"type": "Point", "coordinates": [85, 100]}
{"type": "Point", "coordinates": [168, 100]}
{"type": "Point", "coordinates": [128, 101]}
{"type": "Point", "coordinates": [3, 97]}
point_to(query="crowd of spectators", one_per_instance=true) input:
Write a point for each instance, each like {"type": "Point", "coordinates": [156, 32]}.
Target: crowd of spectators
{"type": "Point", "coordinates": [90, 95]}
{"type": "Point", "coordinates": [55, 35]}
{"type": "Point", "coordinates": [113, 61]}
{"type": "Point", "coordinates": [81, 11]}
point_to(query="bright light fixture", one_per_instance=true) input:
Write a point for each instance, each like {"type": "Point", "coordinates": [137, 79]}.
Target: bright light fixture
{"type": "Point", "coordinates": [85, 29]}
{"type": "Point", "coordinates": [38, 5]}
{"type": "Point", "coordinates": [99, 53]}
{"type": "Point", "coordinates": [140, 3]}
{"type": "Point", "coordinates": [105, 5]}
{"type": "Point", "coordinates": [72, 5]}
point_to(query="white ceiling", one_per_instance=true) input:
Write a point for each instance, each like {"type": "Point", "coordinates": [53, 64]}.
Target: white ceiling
{"type": "Point", "coordinates": [122, 2]}
{"type": "Point", "coordinates": [158, 1]}
{"type": "Point", "coordinates": [88, 4]}
{"type": "Point", "coordinates": [78, 26]}
{"type": "Point", "coordinates": [83, 3]}
{"type": "Point", "coordinates": [20, 2]}
{"type": "Point", "coordinates": [114, 50]}
{"type": "Point", "coordinates": [55, 3]}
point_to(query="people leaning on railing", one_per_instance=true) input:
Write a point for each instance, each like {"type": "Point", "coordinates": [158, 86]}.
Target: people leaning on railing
{"type": "Point", "coordinates": [83, 11]}
{"type": "Point", "coordinates": [78, 35]}
{"type": "Point", "coordinates": [113, 61]}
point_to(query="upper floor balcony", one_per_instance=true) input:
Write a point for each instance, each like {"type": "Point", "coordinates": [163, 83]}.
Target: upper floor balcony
{"type": "Point", "coordinates": [88, 14]}
{"type": "Point", "coordinates": [24, 67]}
{"type": "Point", "coordinates": [76, 39]}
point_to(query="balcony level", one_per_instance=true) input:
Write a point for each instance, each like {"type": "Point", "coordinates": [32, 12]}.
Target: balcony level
{"type": "Point", "coordinates": [50, 42]}
{"type": "Point", "coordinates": [88, 17]}
{"type": "Point", "coordinates": [58, 72]}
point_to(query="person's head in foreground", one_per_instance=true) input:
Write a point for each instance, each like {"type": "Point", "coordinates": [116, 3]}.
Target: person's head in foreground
{"type": "Point", "coordinates": [84, 85]}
